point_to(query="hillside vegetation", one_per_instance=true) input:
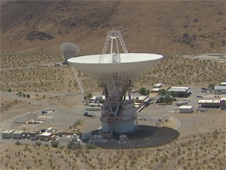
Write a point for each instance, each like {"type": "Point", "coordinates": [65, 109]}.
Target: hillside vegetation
{"type": "Point", "coordinates": [167, 27]}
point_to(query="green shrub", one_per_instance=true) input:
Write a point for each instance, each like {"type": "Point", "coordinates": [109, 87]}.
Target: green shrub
{"type": "Point", "coordinates": [144, 91]}
{"type": "Point", "coordinates": [73, 145]}
{"type": "Point", "coordinates": [38, 143]}
{"type": "Point", "coordinates": [91, 146]}
{"type": "Point", "coordinates": [78, 122]}
{"type": "Point", "coordinates": [61, 147]}
{"type": "Point", "coordinates": [211, 86]}
{"type": "Point", "coordinates": [162, 92]}
{"type": "Point", "coordinates": [55, 144]}
{"type": "Point", "coordinates": [17, 143]}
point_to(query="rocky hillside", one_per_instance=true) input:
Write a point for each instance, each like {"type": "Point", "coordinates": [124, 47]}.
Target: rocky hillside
{"type": "Point", "coordinates": [166, 27]}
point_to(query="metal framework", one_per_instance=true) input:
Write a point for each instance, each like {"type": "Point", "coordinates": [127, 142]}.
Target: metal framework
{"type": "Point", "coordinates": [116, 41]}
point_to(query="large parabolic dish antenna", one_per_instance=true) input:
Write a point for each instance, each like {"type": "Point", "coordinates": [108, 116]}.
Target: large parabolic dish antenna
{"type": "Point", "coordinates": [115, 68]}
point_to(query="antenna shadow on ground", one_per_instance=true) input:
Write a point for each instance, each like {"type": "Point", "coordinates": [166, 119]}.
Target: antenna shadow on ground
{"type": "Point", "coordinates": [145, 136]}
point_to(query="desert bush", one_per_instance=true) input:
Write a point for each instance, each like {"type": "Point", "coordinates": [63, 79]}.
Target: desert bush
{"type": "Point", "coordinates": [91, 146]}
{"type": "Point", "coordinates": [55, 144]}
{"type": "Point", "coordinates": [61, 147]}
{"type": "Point", "coordinates": [78, 122]}
{"type": "Point", "coordinates": [211, 86]}
{"type": "Point", "coordinates": [17, 143]}
{"type": "Point", "coordinates": [38, 143]}
{"type": "Point", "coordinates": [73, 145]}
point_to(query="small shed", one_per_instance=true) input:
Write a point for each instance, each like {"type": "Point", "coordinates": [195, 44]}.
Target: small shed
{"type": "Point", "coordinates": [7, 134]}
{"type": "Point", "coordinates": [45, 136]}
{"type": "Point", "coordinates": [18, 134]}
{"type": "Point", "coordinates": [185, 109]}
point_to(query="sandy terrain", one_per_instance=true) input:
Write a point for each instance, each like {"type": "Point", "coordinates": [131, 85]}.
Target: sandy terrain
{"type": "Point", "coordinates": [199, 147]}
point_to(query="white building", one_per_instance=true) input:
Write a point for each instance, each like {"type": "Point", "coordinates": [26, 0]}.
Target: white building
{"type": "Point", "coordinates": [220, 89]}
{"type": "Point", "coordinates": [185, 109]}
{"type": "Point", "coordinates": [180, 91]}
{"type": "Point", "coordinates": [223, 84]}
{"type": "Point", "coordinates": [209, 103]}
{"type": "Point", "coordinates": [18, 134]}
{"type": "Point", "coordinates": [7, 134]}
{"type": "Point", "coordinates": [155, 90]}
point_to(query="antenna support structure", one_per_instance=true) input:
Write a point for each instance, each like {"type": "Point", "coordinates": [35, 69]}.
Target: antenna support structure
{"type": "Point", "coordinates": [118, 112]}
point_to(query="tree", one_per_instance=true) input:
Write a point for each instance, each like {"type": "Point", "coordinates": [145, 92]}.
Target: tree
{"type": "Point", "coordinates": [168, 99]}
{"type": "Point", "coordinates": [162, 92]}
{"type": "Point", "coordinates": [161, 100]}
{"type": "Point", "coordinates": [211, 86]}
{"type": "Point", "coordinates": [144, 91]}
{"type": "Point", "coordinates": [172, 93]}
{"type": "Point", "coordinates": [9, 90]}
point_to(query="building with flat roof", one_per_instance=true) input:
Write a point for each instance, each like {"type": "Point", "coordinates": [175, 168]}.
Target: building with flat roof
{"type": "Point", "coordinates": [141, 99]}
{"type": "Point", "coordinates": [7, 134]}
{"type": "Point", "coordinates": [155, 90]}
{"type": "Point", "coordinates": [209, 103]}
{"type": "Point", "coordinates": [223, 84]}
{"type": "Point", "coordinates": [220, 89]}
{"type": "Point", "coordinates": [18, 134]}
{"type": "Point", "coordinates": [176, 91]}
{"type": "Point", "coordinates": [185, 109]}
{"type": "Point", "coordinates": [45, 136]}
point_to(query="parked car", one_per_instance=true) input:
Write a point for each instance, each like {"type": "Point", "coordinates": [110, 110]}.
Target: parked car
{"type": "Point", "coordinates": [47, 111]}
{"type": "Point", "coordinates": [89, 114]}
{"type": "Point", "coordinates": [199, 96]}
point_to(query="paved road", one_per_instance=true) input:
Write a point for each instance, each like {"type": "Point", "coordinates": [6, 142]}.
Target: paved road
{"type": "Point", "coordinates": [31, 65]}
{"type": "Point", "coordinates": [59, 114]}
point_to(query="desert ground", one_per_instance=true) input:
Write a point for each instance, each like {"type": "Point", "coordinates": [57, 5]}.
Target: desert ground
{"type": "Point", "coordinates": [190, 35]}
{"type": "Point", "coordinates": [201, 141]}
